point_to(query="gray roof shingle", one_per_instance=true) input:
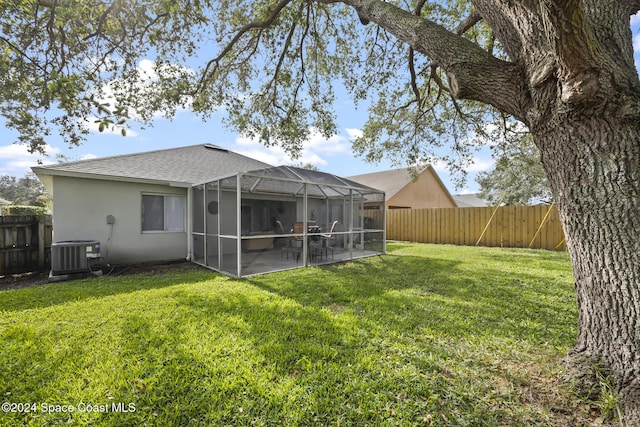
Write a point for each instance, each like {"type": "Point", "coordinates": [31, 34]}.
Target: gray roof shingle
{"type": "Point", "coordinates": [391, 181]}
{"type": "Point", "coordinates": [180, 166]}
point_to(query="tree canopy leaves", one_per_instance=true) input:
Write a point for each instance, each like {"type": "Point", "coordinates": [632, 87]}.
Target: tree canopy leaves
{"type": "Point", "coordinates": [432, 73]}
{"type": "Point", "coordinates": [518, 177]}
{"type": "Point", "coordinates": [27, 191]}
{"type": "Point", "coordinates": [272, 66]}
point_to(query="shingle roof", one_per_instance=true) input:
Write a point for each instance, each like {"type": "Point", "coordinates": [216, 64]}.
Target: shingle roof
{"type": "Point", "coordinates": [391, 181]}
{"type": "Point", "coordinates": [394, 180]}
{"type": "Point", "coordinates": [179, 166]}
{"type": "Point", "coordinates": [469, 200]}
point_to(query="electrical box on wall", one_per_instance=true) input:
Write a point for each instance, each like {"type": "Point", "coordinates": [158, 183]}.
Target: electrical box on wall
{"type": "Point", "coordinates": [111, 219]}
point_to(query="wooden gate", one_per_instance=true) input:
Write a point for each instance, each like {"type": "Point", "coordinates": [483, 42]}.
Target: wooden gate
{"type": "Point", "coordinates": [25, 243]}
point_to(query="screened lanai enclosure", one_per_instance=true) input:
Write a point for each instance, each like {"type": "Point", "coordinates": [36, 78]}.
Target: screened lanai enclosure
{"type": "Point", "coordinates": [282, 218]}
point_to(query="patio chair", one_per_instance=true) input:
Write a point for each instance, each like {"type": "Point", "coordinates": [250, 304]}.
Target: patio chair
{"type": "Point", "coordinates": [314, 243]}
{"type": "Point", "coordinates": [327, 239]}
{"type": "Point", "coordinates": [287, 248]}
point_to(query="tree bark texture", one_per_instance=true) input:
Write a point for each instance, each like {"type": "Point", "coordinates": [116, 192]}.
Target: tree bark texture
{"type": "Point", "coordinates": [593, 165]}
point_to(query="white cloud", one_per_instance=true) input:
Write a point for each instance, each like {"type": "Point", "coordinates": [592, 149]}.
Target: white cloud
{"type": "Point", "coordinates": [480, 165]}
{"type": "Point", "coordinates": [476, 164]}
{"type": "Point", "coordinates": [315, 150]}
{"type": "Point", "coordinates": [635, 19]}
{"type": "Point", "coordinates": [272, 155]}
{"type": "Point", "coordinates": [15, 159]}
{"type": "Point", "coordinates": [243, 141]}
{"type": "Point", "coordinates": [353, 133]}
{"type": "Point", "coordinates": [467, 190]}
{"type": "Point", "coordinates": [320, 144]}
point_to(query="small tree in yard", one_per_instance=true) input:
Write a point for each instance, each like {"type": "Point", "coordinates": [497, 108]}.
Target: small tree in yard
{"type": "Point", "coordinates": [518, 177]}
{"type": "Point", "coordinates": [431, 72]}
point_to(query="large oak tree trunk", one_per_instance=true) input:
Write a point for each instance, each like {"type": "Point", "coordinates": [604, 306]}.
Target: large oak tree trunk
{"type": "Point", "coordinates": [593, 164]}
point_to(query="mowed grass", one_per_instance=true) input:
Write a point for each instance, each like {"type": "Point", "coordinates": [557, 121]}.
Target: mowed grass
{"type": "Point", "coordinates": [425, 335]}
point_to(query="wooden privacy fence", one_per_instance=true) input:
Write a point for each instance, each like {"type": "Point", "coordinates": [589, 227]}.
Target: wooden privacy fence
{"type": "Point", "coordinates": [25, 243]}
{"type": "Point", "coordinates": [507, 226]}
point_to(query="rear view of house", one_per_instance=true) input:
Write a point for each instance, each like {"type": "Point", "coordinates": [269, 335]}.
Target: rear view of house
{"type": "Point", "coordinates": [136, 205]}
{"type": "Point", "coordinates": [218, 208]}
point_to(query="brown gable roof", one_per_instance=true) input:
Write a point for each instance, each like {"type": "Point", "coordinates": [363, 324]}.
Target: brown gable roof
{"type": "Point", "coordinates": [394, 180]}
{"type": "Point", "coordinates": [391, 181]}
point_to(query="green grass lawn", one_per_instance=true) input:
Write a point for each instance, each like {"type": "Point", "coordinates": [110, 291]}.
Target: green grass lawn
{"type": "Point", "coordinates": [425, 335]}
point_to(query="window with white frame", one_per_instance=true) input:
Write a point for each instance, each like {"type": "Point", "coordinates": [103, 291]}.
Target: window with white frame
{"type": "Point", "coordinates": [162, 212]}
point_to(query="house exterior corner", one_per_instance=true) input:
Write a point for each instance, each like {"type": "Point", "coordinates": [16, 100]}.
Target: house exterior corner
{"type": "Point", "coordinates": [81, 208]}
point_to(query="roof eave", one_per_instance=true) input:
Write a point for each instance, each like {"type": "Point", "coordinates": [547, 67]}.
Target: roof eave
{"type": "Point", "coordinates": [84, 175]}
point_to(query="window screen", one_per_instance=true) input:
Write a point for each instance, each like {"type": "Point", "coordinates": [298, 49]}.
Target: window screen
{"type": "Point", "coordinates": [174, 213]}
{"type": "Point", "coordinates": [162, 213]}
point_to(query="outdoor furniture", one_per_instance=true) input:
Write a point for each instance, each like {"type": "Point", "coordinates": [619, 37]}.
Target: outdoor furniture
{"type": "Point", "coordinates": [224, 211]}
{"type": "Point", "coordinates": [259, 244]}
{"type": "Point", "coordinates": [287, 248]}
{"type": "Point", "coordinates": [313, 240]}
{"type": "Point", "coordinates": [326, 238]}
{"type": "Point", "coordinates": [314, 247]}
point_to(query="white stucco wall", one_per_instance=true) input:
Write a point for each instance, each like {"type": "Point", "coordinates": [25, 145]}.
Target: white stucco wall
{"type": "Point", "coordinates": [80, 209]}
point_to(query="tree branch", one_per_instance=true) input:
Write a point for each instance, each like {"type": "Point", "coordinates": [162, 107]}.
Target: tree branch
{"type": "Point", "coordinates": [412, 68]}
{"type": "Point", "coordinates": [23, 54]}
{"type": "Point", "coordinates": [101, 22]}
{"type": "Point", "coordinates": [574, 45]}
{"type": "Point", "coordinates": [473, 73]}
{"type": "Point", "coordinates": [213, 64]}
{"type": "Point", "coordinates": [468, 23]}
{"type": "Point", "coordinates": [414, 82]}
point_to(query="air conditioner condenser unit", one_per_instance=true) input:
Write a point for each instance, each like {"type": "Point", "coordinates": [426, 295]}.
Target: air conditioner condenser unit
{"type": "Point", "coordinates": [74, 256]}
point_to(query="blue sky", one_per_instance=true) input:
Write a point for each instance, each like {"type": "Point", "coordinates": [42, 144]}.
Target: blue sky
{"type": "Point", "coordinates": [333, 155]}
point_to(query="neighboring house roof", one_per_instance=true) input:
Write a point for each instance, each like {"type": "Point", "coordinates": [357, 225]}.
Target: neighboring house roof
{"type": "Point", "coordinates": [180, 166]}
{"type": "Point", "coordinates": [391, 181]}
{"type": "Point", "coordinates": [4, 202]}
{"type": "Point", "coordinates": [394, 180]}
{"type": "Point", "coordinates": [469, 201]}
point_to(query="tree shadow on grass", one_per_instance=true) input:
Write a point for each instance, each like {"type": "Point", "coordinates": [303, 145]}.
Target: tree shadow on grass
{"type": "Point", "coordinates": [441, 294]}
{"type": "Point", "coordinates": [237, 357]}
{"type": "Point", "coordinates": [359, 335]}
{"type": "Point", "coordinates": [288, 364]}
{"type": "Point", "coordinates": [98, 287]}
{"type": "Point", "coordinates": [347, 343]}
